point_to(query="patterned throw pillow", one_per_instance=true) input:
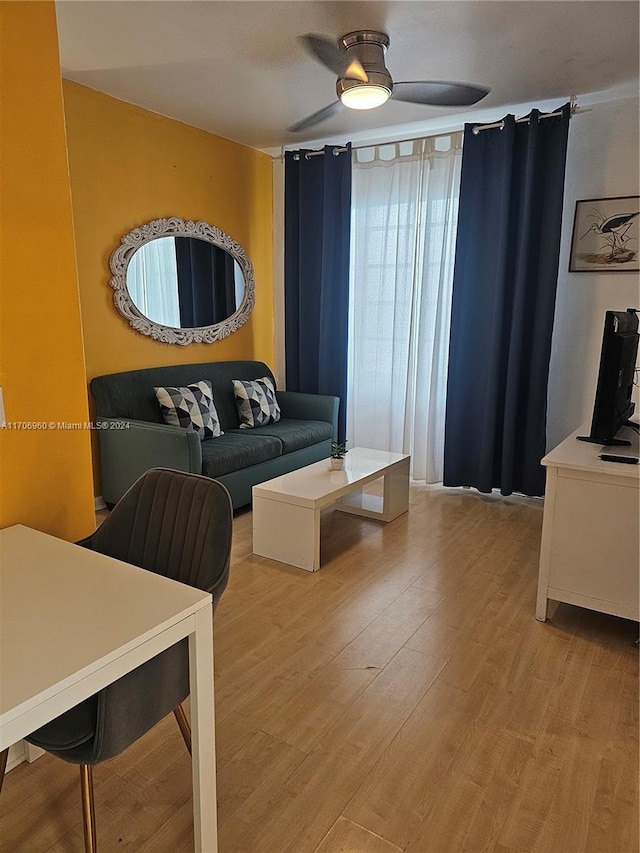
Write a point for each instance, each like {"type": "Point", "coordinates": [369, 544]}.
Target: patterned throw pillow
{"type": "Point", "coordinates": [256, 401]}
{"type": "Point", "coordinates": [191, 407]}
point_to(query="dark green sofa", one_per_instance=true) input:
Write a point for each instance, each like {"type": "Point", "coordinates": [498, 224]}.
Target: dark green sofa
{"type": "Point", "coordinates": [134, 438]}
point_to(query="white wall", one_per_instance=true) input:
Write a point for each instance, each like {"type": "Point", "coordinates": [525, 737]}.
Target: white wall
{"type": "Point", "coordinates": [602, 161]}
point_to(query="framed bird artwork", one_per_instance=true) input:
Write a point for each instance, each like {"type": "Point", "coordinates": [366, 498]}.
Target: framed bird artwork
{"type": "Point", "coordinates": [605, 235]}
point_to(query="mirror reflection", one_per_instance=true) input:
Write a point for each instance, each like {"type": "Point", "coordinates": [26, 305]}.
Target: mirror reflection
{"type": "Point", "coordinates": [184, 282]}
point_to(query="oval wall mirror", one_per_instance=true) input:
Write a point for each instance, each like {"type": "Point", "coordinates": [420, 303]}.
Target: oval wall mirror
{"type": "Point", "coordinates": [182, 282]}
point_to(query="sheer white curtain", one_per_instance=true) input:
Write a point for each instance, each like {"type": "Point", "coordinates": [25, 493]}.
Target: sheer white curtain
{"type": "Point", "coordinates": [152, 281]}
{"type": "Point", "coordinates": [404, 217]}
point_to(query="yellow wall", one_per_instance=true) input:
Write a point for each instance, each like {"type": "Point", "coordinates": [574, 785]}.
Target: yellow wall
{"type": "Point", "coordinates": [45, 474]}
{"type": "Point", "coordinates": [129, 166]}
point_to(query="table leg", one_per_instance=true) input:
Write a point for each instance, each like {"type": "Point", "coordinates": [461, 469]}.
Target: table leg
{"type": "Point", "coordinates": [396, 491]}
{"type": "Point", "coordinates": [288, 533]}
{"type": "Point", "coordinates": [394, 500]}
{"type": "Point", "coordinates": [541, 605]}
{"type": "Point", "coordinates": [203, 759]}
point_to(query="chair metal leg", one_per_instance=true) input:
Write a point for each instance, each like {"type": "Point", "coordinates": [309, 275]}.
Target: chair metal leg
{"type": "Point", "coordinates": [88, 808]}
{"type": "Point", "coordinates": [3, 765]}
{"type": "Point", "coordinates": [183, 724]}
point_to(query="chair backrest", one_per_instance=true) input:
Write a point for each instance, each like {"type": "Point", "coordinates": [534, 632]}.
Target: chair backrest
{"type": "Point", "coordinates": [174, 524]}
{"type": "Point", "coordinates": [177, 525]}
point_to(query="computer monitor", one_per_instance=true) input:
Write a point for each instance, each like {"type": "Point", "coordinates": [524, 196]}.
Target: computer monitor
{"type": "Point", "coordinates": [613, 407]}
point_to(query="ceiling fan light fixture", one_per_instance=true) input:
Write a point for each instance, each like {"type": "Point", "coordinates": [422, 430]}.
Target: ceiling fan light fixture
{"type": "Point", "coordinates": [365, 96]}
{"type": "Point", "coordinates": [365, 82]}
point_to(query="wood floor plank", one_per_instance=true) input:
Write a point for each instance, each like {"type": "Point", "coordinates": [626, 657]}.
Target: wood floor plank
{"type": "Point", "coordinates": [400, 789]}
{"type": "Point", "coordinates": [73, 842]}
{"type": "Point", "coordinates": [174, 836]}
{"type": "Point", "coordinates": [527, 816]}
{"type": "Point", "coordinates": [613, 818]}
{"type": "Point", "coordinates": [566, 822]}
{"type": "Point", "coordinates": [374, 718]}
{"type": "Point", "coordinates": [318, 791]}
{"type": "Point", "coordinates": [314, 709]}
{"type": "Point", "coordinates": [54, 791]}
{"type": "Point", "coordinates": [346, 837]}
{"type": "Point", "coordinates": [271, 683]}
{"type": "Point", "coordinates": [380, 641]}
{"type": "Point", "coordinates": [497, 798]}
{"type": "Point", "coordinates": [249, 780]}
{"type": "Point", "coordinates": [232, 732]}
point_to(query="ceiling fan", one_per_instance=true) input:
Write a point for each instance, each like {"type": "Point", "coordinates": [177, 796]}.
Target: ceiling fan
{"type": "Point", "coordinates": [364, 82]}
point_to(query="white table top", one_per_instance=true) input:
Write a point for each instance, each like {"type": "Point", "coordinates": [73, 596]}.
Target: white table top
{"type": "Point", "coordinates": [66, 611]}
{"type": "Point", "coordinates": [583, 456]}
{"type": "Point", "coordinates": [316, 484]}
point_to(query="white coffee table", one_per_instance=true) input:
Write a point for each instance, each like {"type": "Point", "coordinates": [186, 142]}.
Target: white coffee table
{"type": "Point", "coordinates": [286, 510]}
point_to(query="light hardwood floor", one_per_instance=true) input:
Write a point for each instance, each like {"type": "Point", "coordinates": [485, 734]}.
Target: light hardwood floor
{"type": "Point", "coordinates": [402, 698]}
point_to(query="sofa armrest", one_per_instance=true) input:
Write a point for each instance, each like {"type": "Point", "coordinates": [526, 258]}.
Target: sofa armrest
{"type": "Point", "coordinates": [311, 407]}
{"type": "Point", "coordinates": [128, 448]}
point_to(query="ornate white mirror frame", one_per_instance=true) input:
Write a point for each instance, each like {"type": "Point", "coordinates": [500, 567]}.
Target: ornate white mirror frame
{"type": "Point", "coordinates": [175, 227]}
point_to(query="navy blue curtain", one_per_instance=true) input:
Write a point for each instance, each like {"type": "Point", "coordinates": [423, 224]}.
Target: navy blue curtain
{"type": "Point", "coordinates": [317, 241]}
{"type": "Point", "coordinates": [504, 291]}
{"type": "Point", "coordinates": [206, 283]}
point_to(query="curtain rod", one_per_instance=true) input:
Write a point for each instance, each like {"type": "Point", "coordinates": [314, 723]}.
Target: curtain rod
{"type": "Point", "coordinates": [574, 110]}
{"type": "Point", "coordinates": [340, 149]}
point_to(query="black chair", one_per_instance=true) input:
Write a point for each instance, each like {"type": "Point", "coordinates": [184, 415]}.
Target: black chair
{"type": "Point", "coordinates": [177, 525]}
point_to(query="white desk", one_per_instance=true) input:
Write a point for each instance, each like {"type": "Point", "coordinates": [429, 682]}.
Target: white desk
{"type": "Point", "coordinates": [590, 547]}
{"type": "Point", "coordinates": [286, 510]}
{"type": "Point", "coordinates": [73, 621]}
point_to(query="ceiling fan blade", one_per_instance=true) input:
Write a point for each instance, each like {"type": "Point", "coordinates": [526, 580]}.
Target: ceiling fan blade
{"type": "Point", "coordinates": [330, 55]}
{"type": "Point", "coordinates": [315, 118]}
{"type": "Point", "coordinates": [439, 93]}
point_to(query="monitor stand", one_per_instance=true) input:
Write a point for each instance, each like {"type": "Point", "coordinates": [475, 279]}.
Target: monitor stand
{"type": "Point", "coordinates": [609, 442]}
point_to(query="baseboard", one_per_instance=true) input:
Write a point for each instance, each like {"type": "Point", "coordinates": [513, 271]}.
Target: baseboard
{"type": "Point", "coordinates": [98, 503]}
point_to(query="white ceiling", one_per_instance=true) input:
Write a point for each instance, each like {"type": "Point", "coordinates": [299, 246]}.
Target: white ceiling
{"type": "Point", "coordinates": [235, 68]}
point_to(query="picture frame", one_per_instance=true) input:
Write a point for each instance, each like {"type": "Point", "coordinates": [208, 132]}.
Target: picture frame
{"type": "Point", "coordinates": [605, 235]}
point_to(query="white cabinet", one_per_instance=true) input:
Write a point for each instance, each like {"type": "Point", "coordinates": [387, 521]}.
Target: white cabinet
{"type": "Point", "coordinates": [590, 551]}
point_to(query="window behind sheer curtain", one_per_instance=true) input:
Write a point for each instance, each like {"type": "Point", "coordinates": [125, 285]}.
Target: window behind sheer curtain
{"type": "Point", "coordinates": [404, 216]}
{"type": "Point", "coordinates": [152, 281]}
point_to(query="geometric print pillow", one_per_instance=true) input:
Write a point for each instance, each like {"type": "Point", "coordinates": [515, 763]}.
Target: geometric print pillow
{"type": "Point", "coordinates": [256, 401]}
{"type": "Point", "coordinates": [191, 407]}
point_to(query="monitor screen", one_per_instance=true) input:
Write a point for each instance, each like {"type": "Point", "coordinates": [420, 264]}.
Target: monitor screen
{"type": "Point", "coordinates": [613, 406]}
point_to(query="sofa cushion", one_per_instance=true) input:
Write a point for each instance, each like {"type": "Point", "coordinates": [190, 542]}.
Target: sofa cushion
{"type": "Point", "coordinates": [256, 401]}
{"type": "Point", "coordinates": [236, 450]}
{"type": "Point", "coordinates": [190, 406]}
{"type": "Point", "coordinates": [294, 434]}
